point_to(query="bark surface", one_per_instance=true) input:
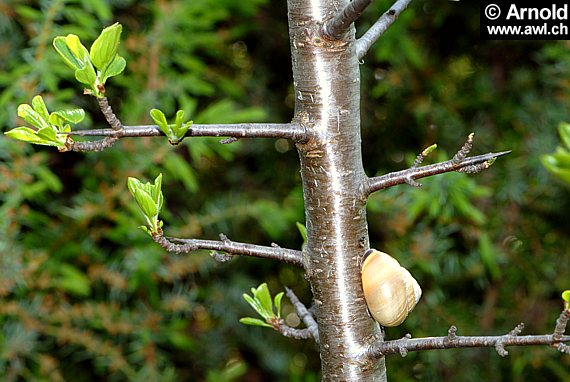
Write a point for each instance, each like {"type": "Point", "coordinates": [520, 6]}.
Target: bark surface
{"type": "Point", "coordinates": [327, 102]}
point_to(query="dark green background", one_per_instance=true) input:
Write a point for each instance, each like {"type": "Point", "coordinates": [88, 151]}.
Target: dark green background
{"type": "Point", "coordinates": [86, 296]}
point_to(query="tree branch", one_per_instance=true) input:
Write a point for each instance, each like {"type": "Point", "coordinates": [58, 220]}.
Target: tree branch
{"type": "Point", "coordinates": [231, 248]}
{"type": "Point", "coordinates": [364, 43]}
{"type": "Point", "coordinates": [460, 162]}
{"type": "Point", "coordinates": [451, 341]}
{"type": "Point", "coordinates": [304, 314]}
{"type": "Point", "coordinates": [292, 131]}
{"type": "Point", "coordinates": [287, 331]}
{"type": "Point", "coordinates": [335, 28]}
{"type": "Point", "coordinates": [110, 139]}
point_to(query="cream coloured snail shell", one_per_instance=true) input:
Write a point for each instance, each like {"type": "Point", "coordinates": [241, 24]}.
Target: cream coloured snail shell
{"type": "Point", "coordinates": [390, 290]}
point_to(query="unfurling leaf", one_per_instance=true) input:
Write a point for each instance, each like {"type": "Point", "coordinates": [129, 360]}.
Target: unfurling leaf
{"type": "Point", "coordinates": [160, 119]}
{"type": "Point", "coordinates": [254, 322]}
{"type": "Point", "coordinates": [104, 48]}
{"type": "Point", "coordinates": [72, 115]}
{"type": "Point", "coordinates": [60, 45]}
{"type": "Point", "coordinates": [146, 204]}
{"type": "Point", "coordinates": [31, 116]}
{"type": "Point", "coordinates": [87, 76]}
{"type": "Point", "coordinates": [260, 300]}
{"type": "Point", "coordinates": [149, 199]}
{"type": "Point", "coordinates": [114, 68]}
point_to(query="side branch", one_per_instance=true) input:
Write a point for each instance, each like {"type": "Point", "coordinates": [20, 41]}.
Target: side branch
{"type": "Point", "coordinates": [304, 314]}
{"type": "Point", "coordinates": [470, 164]}
{"type": "Point", "coordinates": [292, 131]}
{"type": "Point", "coordinates": [110, 139]}
{"type": "Point", "coordinates": [231, 248]}
{"type": "Point", "coordinates": [337, 26]}
{"type": "Point", "coordinates": [452, 341]}
{"type": "Point", "coordinates": [364, 43]}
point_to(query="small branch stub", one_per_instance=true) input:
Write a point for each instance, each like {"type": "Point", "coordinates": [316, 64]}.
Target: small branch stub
{"type": "Point", "coordinates": [304, 314]}
{"type": "Point", "coordinates": [452, 340]}
{"type": "Point", "coordinates": [230, 248]}
{"type": "Point", "coordinates": [460, 162]}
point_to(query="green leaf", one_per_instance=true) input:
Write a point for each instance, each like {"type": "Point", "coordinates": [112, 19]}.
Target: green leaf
{"type": "Point", "coordinates": [114, 68]}
{"type": "Point", "coordinates": [157, 192]}
{"type": "Point", "coordinates": [72, 115]}
{"type": "Point", "coordinates": [277, 302]}
{"type": "Point", "coordinates": [262, 294]}
{"type": "Point", "coordinates": [564, 131]}
{"type": "Point", "coordinates": [254, 322]}
{"type": "Point", "coordinates": [60, 45]}
{"type": "Point", "coordinates": [145, 202]}
{"type": "Point", "coordinates": [133, 184]}
{"type": "Point", "coordinates": [31, 116]}
{"type": "Point", "coordinates": [40, 107]}
{"type": "Point", "coordinates": [254, 304]}
{"type": "Point", "coordinates": [26, 134]}
{"type": "Point", "coordinates": [179, 119]}
{"type": "Point", "coordinates": [105, 47]}
{"type": "Point", "coordinates": [77, 49]}
{"type": "Point", "coordinates": [48, 134]}
{"type": "Point", "coordinates": [145, 228]}
{"type": "Point", "coordinates": [160, 119]}
{"type": "Point", "coordinates": [303, 230]}
{"type": "Point", "coordinates": [87, 76]}
{"type": "Point", "coordinates": [566, 296]}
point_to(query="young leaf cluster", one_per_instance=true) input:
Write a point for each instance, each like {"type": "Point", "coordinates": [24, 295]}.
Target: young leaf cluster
{"type": "Point", "coordinates": [46, 126]}
{"type": "Point", "coordinates": [175, 132]}
{"type": "Point", "coordinates": [149, 199]}
{"type": "Point", "coordinates": [260, 301]}
{"type": "Point", "coordinates": [102, 56]}
{"type": "Point", "coordinates": [558, 162]}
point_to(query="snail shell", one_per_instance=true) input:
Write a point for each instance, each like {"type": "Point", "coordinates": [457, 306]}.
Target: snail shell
{"type": "Point", "coordinates": [390, 290]}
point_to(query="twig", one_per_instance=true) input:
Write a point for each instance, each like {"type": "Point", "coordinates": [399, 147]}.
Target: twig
{"type": "Point", "coordinates": [452, 341]}
{"type": "Point", "coordinates": [337, 26]}
{"type": "Point", "coordinates": [287, 331]}
{"type": "Point", "coordinates": [110, 139]}
{"type": "Point", "coordinates": [304, 314]}
{"type": "Point", "coordinates": [459, 163]}
{"type": "Point", "coordinates": [292, 131]}
{"type": "Point", "coordinates": [364, 43]}
{"type": "Point", "coordinates": [179, 246]}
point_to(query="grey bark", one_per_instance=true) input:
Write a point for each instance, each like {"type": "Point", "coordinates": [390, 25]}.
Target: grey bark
{"type": "Point", "coordinates": [327, 103]}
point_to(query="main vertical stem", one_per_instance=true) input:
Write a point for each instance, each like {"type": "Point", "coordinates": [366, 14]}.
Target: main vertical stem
{"type": "Point", "coordinates": [327, 103]}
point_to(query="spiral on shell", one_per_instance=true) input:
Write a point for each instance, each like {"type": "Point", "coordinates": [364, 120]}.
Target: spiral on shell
{"type": "Point", "coordinates": [390, 290]}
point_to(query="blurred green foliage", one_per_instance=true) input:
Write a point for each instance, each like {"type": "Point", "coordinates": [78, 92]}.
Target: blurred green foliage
{"type": "Point", "coordinates": [86, 296]}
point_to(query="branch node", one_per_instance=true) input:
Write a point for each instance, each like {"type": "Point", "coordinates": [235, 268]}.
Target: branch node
{"type": "Point", "coordinates": [452, 333]}
{"type": "Point", "coordinates": [517, 330]}
{"type": "Point", "coordinates": [500, 348]}
{"type": "Point", "coordinates": [423, 155]}
{"type": "Point", "coordinates": [410, 181]}
{"type": "Point", "coordinates": [221, 257]}
{"type": "Point", "coordinates": [462, 153]}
